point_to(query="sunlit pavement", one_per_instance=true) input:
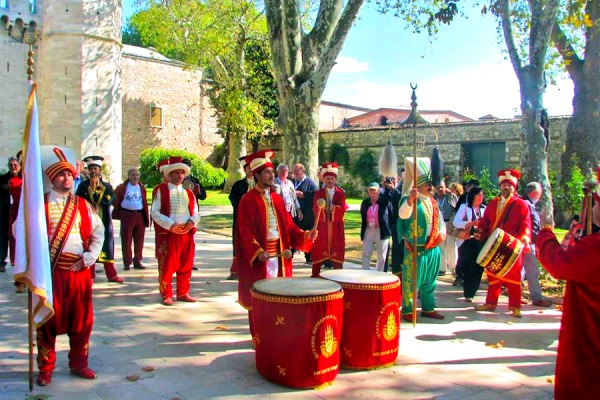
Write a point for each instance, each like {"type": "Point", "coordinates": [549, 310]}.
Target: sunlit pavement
{"type": "Point", "coordinates": [143, 350]}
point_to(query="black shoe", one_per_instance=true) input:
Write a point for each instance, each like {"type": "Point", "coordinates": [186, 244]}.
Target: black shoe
{"type": "Point", "coordinates": [232, 277]}
{"type": "Point", "coordinates": [126, 267]}
{"type": "Point", "coordinates": [138, 266]}
{"type": "Point", "coordinates": [195, 268]}
{"type": "Point", "coordinates": [441, 273]}
{"type": "Point", "coordinates": [2, 268]}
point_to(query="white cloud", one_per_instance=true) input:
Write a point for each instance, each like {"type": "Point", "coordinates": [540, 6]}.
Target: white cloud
{"type": "Point", "coordinates": [347, 65]}
{"type": "Point", "coordinates": [480, 90]}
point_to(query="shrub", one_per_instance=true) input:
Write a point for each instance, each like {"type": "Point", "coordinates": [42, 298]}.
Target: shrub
{"type": "Point", "coordinates": [490, 189]}
{"type": "Point", "coordinates": [365, 167]}
{"type": "Point", "coordinates": [568, 197]}
{"type": "Point", "coordinates": [209, 176]}
{"type": "Point", "coordinates": [339, 154]}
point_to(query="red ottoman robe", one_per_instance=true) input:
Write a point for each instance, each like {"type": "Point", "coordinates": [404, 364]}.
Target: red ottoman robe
{"type": "Point", "coordinates": [331, 241]}
{"type": "Point", "coordinates": [578, 359]}
{"type": "Point", "coordinates": [251, 240]}
{"type": "Point", "coordinates": [518, 224]}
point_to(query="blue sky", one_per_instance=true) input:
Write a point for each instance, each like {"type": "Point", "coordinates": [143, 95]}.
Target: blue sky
{"type": "Point", "coordinates": [463, 69]}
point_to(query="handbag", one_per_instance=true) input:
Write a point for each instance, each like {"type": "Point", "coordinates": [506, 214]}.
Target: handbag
{"type": "Point", "coordinates": [459, 233]}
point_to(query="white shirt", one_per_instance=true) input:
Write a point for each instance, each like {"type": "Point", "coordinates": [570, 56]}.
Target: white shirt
{"type": "Point", "coordinates": [74, 245]}
{"type": "Point", "coordinates": [133, 198]}
{"type": "Point", "coordinates": [179, 212]}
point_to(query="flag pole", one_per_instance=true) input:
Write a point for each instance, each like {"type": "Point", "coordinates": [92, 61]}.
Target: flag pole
{"type": "Point", "coordinates": [30, 63]}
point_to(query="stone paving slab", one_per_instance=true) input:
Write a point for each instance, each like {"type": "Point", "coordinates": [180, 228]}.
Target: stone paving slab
{"type": "Point", "coordinates": [204, 351]}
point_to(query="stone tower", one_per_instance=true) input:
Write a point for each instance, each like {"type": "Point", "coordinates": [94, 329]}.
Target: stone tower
{"type": "Point", "coordinates": [19, 20]}
{"type": "Point", "coordinates": [79, 77]}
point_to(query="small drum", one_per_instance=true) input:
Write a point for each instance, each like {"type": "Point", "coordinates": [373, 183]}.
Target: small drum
{"type": "Point", "coordinates": [500, 252]}
{"type": "Point", "coordinates": [371, 330]}
{"type": "Point", "coordinates": [298, 326]}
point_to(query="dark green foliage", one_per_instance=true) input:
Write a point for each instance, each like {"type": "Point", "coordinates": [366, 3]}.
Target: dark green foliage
{"type": "Point", "coordinates": [568, 198]}
{"type": "Point", "coordinates": [339, 154]}
{"type": "Point", "coordinates": [490, 189]}
{"type": "Point", "coordinates": [209, 176]}
{"type": "Point", "coordinates": [365, 167]}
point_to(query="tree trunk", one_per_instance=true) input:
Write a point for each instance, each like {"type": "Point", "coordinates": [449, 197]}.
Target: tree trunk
{"type": "Point", "coordinates": [237, 148]}
{"type": "Point", "coordinates": [534, 159]}
{"type": "Point", "coordinates": [298, 121]}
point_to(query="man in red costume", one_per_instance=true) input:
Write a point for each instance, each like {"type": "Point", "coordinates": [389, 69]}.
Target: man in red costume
{"type": "Point", "coordinates": [264, 229]}
{"type": "Point", "coordinates": [331, 243]}
{"type": "Point", "coordinates": [76, 236]}
{"type": "Point", "coordinates": [577, 362]}
{"type": "Point", "coordinates": [510, 213]}
{"type": "Point", "coordinates": [175, 217]}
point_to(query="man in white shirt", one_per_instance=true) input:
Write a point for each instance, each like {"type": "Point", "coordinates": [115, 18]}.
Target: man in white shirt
{"type": "Point", "coordinates": [131, 207]}
{"type": "Point", "coordinates": [285, 188]}
{"type": "Point", "coordinates": [176, 216]}
{"type": "Point", "coordinates": [76, 236]}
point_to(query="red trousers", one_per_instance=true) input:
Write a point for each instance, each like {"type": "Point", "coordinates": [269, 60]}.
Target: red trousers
{"type": "Point", "coordinates": [133, 229]}
{"type": "Point", "coordinates": [176, 256]}
{"type": "Point", "coordinates": [512, 280]}
{"type": "Point", "coordinates": [109, 270]}
{"type": "Point", "coordinates": [73, 315]}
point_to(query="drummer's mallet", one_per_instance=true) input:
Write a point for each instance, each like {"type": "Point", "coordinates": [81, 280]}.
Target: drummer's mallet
{"type": "Point", "coordinates": [287, 254]}
{"type": "Point", "coordinates": [321, 203]}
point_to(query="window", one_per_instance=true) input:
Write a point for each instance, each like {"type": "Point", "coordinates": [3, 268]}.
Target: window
{"type": "Point", "coordinates": [156, 116]}
{"type": "Point", "coordinates": [32, 6]}
{"type": "Point", "coordinates": [491, 156]}
{"type": "Point", "coordinates": [3, 3]}
{"type": "Point", "coordinates": [383, 120]}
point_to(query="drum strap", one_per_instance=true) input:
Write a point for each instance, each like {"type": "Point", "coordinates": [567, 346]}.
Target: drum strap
{"type": "Point", "coordinates": [505, 212]}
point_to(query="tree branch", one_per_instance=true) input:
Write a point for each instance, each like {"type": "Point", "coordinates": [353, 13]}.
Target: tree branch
{"type": "Point", "coordinates": [573, 63]}
{"type": "Point", "coordinates": [327, 19]}
{"type": "Point", "coordinates": [515, 59]}
{"type": "Point", "coordinates": [543, 16]}
{"type": "Point", "coordinates": [274, 16]}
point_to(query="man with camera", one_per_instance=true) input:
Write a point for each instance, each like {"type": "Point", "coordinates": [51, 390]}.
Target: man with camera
{"type": "Point", "coordinates": [447, 202]}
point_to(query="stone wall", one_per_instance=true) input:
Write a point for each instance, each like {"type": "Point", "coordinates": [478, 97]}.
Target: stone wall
{"type": "Point", "coordinates": [187, 122]}
{"type": "Point", "coordinates": [451, 141]}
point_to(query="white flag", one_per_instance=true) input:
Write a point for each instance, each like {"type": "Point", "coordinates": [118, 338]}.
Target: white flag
{"type": "Point", "coordinates": [32, 261]}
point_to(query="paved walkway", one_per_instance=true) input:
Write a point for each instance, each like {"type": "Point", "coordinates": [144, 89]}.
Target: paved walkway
{"type": "Point", "coordinates": [203, 350]}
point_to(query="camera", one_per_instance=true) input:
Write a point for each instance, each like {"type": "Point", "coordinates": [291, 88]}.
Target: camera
{"type": "Point", "coordinates": [389, 180]}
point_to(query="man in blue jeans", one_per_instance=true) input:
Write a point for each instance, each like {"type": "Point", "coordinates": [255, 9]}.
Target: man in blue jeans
{"type": "Point", "coordinates": [533, 192]}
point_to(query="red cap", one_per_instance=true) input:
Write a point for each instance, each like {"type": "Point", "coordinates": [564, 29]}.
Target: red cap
{"type": "Point", "coordinates": [510, 175]}
{"type": "Point", "coordinates": [260, 160]}
{"type": "Point", "coordinates": [329, 169]}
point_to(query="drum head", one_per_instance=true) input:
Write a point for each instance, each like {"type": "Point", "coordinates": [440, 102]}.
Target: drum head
{"type": "Point", "coordinates": [296, 286]}
{"type": "Point", "coordinates": [359, 276]}
{"type": "Point", "coordinates": [488, 245]}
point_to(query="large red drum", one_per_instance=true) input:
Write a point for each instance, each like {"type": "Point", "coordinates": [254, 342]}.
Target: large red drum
{"type": "Point", "coordinates": [500, 252]}
{"type": "Point", "coordinates": [371, 330]}
{"type": "Point", "coordinates": [298, 326]}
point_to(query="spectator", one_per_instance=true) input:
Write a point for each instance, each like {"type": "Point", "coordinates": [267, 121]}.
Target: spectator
{"type": "Point", "coordinates": [531, 271]}
{"type": "Point", "coordinates": [131, 208]}
{"type": "Point", "coordinates": [446, 202]}
{"type": "Point", "coordinates": [376, 213]}
{"type": "Point", "coordinates": [9, 182]}
{"type": "Point", "coordinates": [467, 268]}
{"type": "Point", "coordinates": [305, 189]}
{"type": "Point", "coordinates": [285, 188]}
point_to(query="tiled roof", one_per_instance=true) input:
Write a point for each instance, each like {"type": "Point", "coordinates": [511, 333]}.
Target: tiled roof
{"type": "Point", "coordinates": [394, 116]}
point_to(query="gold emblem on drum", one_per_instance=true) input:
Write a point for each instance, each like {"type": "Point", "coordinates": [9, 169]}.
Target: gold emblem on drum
{"type": "Point", "coordinates": [329, 343]}
{"type": "Point", "coordinates": [281, 370]}
{"type": "Point", "coordinates": [279, 320]}
{"type": "Point", "coordinates": [389, 329]}
{"type": "Point", "coordinates": [348, 352]}
{"type": "Point", "coordinates": [347, 305]}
